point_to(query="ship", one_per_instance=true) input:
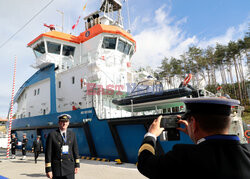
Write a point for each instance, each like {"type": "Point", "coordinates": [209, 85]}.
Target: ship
{"type": "Point", "coordinates": [89, 77]}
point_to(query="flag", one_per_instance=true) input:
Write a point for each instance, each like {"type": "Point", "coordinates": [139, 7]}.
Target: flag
{"type": "Point", "coordinates": [74, 26]}
{"type": "Point", "coordinates": [84, 7]}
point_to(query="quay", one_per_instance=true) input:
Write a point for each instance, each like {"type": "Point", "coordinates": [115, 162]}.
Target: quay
{"type": "Point", "coordinates": [22, 169]}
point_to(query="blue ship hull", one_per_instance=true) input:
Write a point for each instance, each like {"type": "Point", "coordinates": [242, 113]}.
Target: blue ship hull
{"type": "Point", "coordinates": [111, 139]}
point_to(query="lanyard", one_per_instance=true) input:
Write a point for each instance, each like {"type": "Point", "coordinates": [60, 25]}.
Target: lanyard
{"type": "Point", "coordinates": [220, 137]}
{"type": "Point", "coordinates": [64, 137]}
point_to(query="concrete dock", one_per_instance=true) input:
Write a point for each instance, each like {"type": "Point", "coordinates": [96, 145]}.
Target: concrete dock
{"type": "Point", "coordinates": [19, 169]}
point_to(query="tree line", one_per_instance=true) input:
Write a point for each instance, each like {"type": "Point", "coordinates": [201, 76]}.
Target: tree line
{"type": "Point", "coordinates": [226, 60]}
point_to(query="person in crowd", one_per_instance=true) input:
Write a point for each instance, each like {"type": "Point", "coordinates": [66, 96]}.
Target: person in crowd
{"type": "Point", "coordinates": [13, 145]}
{"type": "Point", "coordinates": [37, 147]}
{"type": "Point", "coordinates": [61, 154]}
{"type": "Point", "coordinates": [24, 145]}
{"type": "Point", "coordinates": [214, 154]}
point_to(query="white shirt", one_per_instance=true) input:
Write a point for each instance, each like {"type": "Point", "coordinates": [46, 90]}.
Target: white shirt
{"type": "Point", "coordinates": [151, 135]}
{"type": "Point", "coordinates": [62, 134]}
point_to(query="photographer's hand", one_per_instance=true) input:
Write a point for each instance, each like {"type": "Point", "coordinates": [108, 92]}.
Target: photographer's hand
{"type": "Point", "coordinates": [155, 128]}
{"type": "Point", "coordinates": [183, 122]}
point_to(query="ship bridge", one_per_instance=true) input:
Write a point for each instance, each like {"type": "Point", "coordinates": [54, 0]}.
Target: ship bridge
{"type": "Point", "coordinates": [103, 38]}
{"type": "Point", "coordinates": [54, 47]}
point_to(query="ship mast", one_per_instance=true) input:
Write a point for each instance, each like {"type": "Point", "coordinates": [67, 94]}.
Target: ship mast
{"type": "Point", "coordinates": [110, 13]}
{"type": "Point", "coordinates": [112, 10]}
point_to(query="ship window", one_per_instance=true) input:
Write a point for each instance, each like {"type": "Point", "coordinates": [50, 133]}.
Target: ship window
{"type": "Point", "coordinates": [121, 45]}
{"type": "Point", "coordinates": [73, 80]}
{"type": "Point", "coordinates": [109, 42]}
{"type": "Point", "coordinates": [59, 84]}
{"type": "Point", "coordinates": [34, 92]}
{"type": "Point", "coordinates": [38, 91]}
{"type": "Point", "coordinates": [39, 49]}
{"type": "Point", "coordinates": [54, 47]}
{"type": "Point", "coordinates": [127, 49]}
{"type": "Point", "coordinates": [124, 47]}
{"type": "Point", "coordinates": [68, 50]}
{"type": "Point", "coordinates": [44, 112]}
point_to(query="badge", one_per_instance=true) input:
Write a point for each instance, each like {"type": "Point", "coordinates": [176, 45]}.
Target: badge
{"type": "Point", "coordinates": [65, 149]}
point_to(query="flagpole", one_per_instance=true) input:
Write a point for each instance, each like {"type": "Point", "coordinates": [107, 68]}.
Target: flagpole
{"type": "Point", "coordinates": [11, 109]}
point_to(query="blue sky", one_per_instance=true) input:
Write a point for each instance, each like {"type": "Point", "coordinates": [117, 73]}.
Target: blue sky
{"type": "Point", "coordinates": [204, 18]}
{"type": "Point", "coordinates": [161, 28]}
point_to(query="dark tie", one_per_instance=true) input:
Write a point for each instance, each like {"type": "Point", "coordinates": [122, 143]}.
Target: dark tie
{"type": "Point", "coordinates": [64, 137]}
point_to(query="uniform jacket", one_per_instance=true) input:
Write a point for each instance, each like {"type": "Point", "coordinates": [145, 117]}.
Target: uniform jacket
{"type": "Point", "coordinates": [214, 158]}
{"type": "Point", "coordinates": [61, 164]}
{"type": "Point", "coordinates": [13, 143]}
{"type": "Point", "coordinates": [24, 143]}
{"type": "Point", "coordinates": [37, 146]}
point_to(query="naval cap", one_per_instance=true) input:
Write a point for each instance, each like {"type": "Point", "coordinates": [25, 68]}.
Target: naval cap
{"type": "Point", "coordinates": [210, 105]}
{"type": "Point", "coordinates": [64, 117]}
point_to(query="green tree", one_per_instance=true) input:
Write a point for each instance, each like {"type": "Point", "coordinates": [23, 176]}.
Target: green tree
{"type": "Point", "coordinates": [232, 51]}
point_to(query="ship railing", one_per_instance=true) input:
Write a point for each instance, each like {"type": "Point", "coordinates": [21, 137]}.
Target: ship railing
{"type": "Point", "coordinates": [106, 109]}
{"type": "Point", "coordinates": [111, 10]}
{"type": "Point", "coordinates": [46, 59]}
{"type": "Point", "coordinates": [113, 18]}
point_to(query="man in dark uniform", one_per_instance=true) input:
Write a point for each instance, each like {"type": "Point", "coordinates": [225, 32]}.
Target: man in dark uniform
{"type": "Point", "coordinates": [13, 145]}
{"type": "Point", "coordinates": [24, 144]}
{"type": "Point", "coordinates": [215, 154]}
{"type": "Point", "coordinates": [37, 147]}
{"type": "Point", "coordinates": [61, 154]}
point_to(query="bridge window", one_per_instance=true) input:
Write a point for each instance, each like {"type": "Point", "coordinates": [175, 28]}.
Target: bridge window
{"type": "Point", "coordinates": [68, 50]}
{"type": "Point", "coordinates": [127, 49]}
{"type": "Point", "coordinates": [109, 42]}
{"type": "Point", "coordinates": [123, 47]}
{"type": "Point", "coordinates": [54, 48]}
{"type": "Point", "coordinates": [39, 49]}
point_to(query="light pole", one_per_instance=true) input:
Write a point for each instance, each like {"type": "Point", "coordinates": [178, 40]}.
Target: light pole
{"type": "Point", "coordinates": [62, 17]}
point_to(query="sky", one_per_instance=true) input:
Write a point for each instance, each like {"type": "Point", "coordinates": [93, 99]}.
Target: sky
{"type": "Point", "coordinates": [161, 28]}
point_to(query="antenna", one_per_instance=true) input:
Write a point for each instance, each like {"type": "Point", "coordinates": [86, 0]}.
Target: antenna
{"type": "Point", "coordinates": [129, 27]}
{"type": "Point", "coordinates": [62, 17]}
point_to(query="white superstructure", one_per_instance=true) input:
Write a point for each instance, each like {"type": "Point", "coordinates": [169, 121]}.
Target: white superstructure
{"type": "Point", "coordinates": [98, 59]}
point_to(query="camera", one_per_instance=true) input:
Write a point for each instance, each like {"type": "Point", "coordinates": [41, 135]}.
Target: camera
{"type": "Point", "coordinates": [169, 123]}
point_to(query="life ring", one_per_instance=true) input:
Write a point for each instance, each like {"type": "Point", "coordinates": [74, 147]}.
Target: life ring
{"type": "Point", "coordinates": [187, 79]}
{"type": "Point", "coordinates": [246, 134]}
